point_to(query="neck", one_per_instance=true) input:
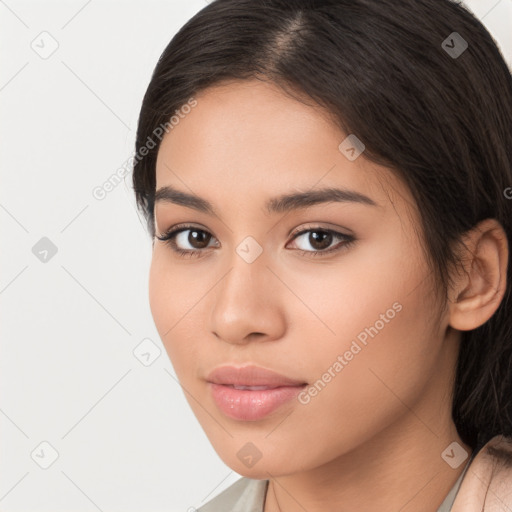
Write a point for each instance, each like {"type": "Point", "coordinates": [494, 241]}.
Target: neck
{"type": "Point", "coordinates": [400, 468]}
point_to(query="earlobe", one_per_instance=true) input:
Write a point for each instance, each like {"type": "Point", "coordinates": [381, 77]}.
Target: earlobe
{"type": "Point", "coordinates": [479, 290]}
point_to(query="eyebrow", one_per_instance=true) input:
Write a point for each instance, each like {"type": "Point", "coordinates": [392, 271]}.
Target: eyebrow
{"type": "Point", "coordinates": [279, 204]}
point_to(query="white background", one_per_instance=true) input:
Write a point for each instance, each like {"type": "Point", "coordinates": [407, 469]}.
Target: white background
{"type": "Point", "coordinates": [125, 436]}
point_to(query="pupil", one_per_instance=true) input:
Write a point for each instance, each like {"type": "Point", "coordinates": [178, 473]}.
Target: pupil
{"type": "Point", "coordinates": [324, 237]}
{"type": "Point", "coordinates": [197, 236]}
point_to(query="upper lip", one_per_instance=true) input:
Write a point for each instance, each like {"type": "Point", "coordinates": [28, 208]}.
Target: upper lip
{"type": "Point", "coordinates": [250, 376]}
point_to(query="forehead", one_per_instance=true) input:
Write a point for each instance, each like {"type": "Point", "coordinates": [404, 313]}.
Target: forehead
{"type": "Point", "coordinates": [248, 138]}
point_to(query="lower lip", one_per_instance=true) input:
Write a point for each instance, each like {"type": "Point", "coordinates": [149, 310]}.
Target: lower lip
{"type": "Point", "coordinates": [247, 405]}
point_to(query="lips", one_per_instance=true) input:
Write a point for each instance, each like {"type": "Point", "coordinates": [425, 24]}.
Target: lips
{"type": "Point", "coordinates": [250, 376]}
{"type": "Point", "coordinates": [250, 393]}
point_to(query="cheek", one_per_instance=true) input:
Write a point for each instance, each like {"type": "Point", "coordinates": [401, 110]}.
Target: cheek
{"type": "Point", "coordinates": [377, 319]}
{"type": "Point", "coordinates": [382, 356]}
{"type": "Point", "coordinates": [171, 297]}
{"type": "Point", "coordinates": [360, 296]}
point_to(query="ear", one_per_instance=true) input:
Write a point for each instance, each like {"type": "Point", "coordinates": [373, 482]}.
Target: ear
{"type": "Point", "coordinates": [479, 289]}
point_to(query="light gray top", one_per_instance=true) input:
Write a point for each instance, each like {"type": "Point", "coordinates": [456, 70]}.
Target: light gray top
{"type": "Point", "coordinates": [247, 495]}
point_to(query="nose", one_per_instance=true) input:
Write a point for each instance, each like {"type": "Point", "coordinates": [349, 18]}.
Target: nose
{"type": "Point", "coordinates": [248, 303]}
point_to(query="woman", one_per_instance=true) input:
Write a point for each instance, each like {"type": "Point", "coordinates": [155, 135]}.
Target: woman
{"type": "Point", "coordinates": [330, 207]}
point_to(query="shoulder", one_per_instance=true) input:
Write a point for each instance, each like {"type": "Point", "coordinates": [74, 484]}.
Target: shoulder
{"type": "Point", "coordinates": [245, 495]}
{"type": "Point", "coordinates": [487, 484]}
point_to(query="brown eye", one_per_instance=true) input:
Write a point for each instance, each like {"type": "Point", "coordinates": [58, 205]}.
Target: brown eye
{"type": "Point", "coordinates": [187, 240]}
{"type": "Point", "coordinates": [198, 238]}
{"type": "Point", "coordinates": [191, 241]}
{"type": "Point", "coordinates": [320, 240]}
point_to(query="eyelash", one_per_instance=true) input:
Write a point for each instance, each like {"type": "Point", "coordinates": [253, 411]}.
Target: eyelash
{"type": "Point", "coordinates": [169, 236]}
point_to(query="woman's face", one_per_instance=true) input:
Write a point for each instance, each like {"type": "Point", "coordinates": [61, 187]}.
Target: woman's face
{"type": "Point", "coordinates": [352, 322]}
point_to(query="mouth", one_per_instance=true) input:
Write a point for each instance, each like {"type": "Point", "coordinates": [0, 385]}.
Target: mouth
{"type": "Point", "coordinates": [250, 393]}
{"type": "Point", "coordinates": [250, 388]}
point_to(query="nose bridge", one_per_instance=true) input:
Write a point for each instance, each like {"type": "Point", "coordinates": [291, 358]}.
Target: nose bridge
{"type": "Point", "coordinates": [246, 259]}
{"type": "Point", "coordinates": [246, 301]}
{"type": "Point", "coordinates": [247, 276]}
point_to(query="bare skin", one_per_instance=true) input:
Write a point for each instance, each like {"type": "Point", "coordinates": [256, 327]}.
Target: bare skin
{"type": "Point", "coordinates": [372, 438]}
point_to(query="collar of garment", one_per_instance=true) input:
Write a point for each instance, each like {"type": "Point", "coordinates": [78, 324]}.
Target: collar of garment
{"type": "Point", "coordinates": [484, 484]}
